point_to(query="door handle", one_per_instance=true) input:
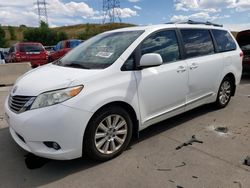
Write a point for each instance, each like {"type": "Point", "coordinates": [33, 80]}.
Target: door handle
{"type": "Point", "coordinates": [193, 66]}
{"type": "Point", "coordinates": [181, 69]}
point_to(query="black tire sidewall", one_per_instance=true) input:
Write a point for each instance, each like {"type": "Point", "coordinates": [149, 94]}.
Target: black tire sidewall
{"type": "Point", "coordinates": [89, 147]}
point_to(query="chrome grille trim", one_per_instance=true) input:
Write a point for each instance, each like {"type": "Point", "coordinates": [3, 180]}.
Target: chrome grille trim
{"type": "Point", "coordinates": [18, 103]}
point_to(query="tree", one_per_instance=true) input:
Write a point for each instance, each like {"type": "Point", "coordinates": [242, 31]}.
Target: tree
{"type": "Point", "coordinates": [44, 35]}
{"type": "Point", "coordinates": [12, 33]}
{"type": "Point", "coordinates": [2, 37]}
{"type": "Point", "coordinates": [61, 35]}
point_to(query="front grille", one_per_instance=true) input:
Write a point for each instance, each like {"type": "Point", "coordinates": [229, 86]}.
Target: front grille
{"type": "Point", "coordinates": [19, 103]}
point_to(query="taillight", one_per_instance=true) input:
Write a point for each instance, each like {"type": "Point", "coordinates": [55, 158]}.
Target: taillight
{"type": "Point", "coordinates": [47, 54]}
{"type": "Point", "coordinates": [241, 54]}
{"type": "Point", "coordinates": [17, 55]}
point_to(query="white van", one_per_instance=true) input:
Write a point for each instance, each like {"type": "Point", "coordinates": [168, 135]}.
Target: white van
{"type": "Point", "coordinates": [119, 82]}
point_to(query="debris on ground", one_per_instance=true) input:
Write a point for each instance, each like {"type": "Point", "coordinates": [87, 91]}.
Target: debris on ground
{"type": "Point", "coordinates": [190, 142]}
{"type": "Point", "coordinates": [247, 161]}
{"type": "Point", "coordinates": [183, 164]}
{"type": "Point", "coordinates": [221, 129]}
{"type": "Point", "coordinates": [179, 186]}
{"type": "Point", "coordinates": [164, 169]}
{"type": "Point", "coordinates": [237, 182]}
{"type": "Point", "coordinates": [195, 177]}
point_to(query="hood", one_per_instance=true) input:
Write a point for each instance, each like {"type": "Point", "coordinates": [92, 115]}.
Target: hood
{"type": "Point", "coordinates": [49, 77]}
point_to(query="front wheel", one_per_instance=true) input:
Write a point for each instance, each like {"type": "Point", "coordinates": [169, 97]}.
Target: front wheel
{"type": "Point", "coordinates": [108, 134]}
{"type": "Point", "coordinates": [224, 93]}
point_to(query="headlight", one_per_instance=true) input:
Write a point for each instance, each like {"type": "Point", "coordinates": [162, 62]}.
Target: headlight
{"type": "Point", "coordinates": [55, 97]}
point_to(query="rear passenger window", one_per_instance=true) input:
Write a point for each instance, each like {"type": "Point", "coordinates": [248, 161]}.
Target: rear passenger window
{"type": "Point", "coordinates": [197, 42]}
{"type": "Point", "coordinates": [12, 49]}
{"type": "Point", "coordinates": [224, 40]}
{"type": "Point", "coordinates": [164, 43]}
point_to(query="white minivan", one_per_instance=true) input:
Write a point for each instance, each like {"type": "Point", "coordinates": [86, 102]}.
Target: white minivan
{"type": "Point", "coordinates": [119, 82]}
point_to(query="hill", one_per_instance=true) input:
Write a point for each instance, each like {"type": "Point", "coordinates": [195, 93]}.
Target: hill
{"type": "Point", "coordinates": [72, 31]}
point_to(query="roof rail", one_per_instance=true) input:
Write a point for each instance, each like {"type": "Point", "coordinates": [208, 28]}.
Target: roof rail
{"type": "Point", "coordinates": [195, 22]}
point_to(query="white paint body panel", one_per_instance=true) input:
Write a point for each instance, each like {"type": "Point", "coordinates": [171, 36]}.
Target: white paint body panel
{"type": "Point", "coordinates": [154, 93]}
{"type": "Point", "coordinates": [158, 92]}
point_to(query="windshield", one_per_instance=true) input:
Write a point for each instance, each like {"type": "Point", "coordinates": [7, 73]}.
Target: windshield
{"type": "Point", "coordinates": [100, 51]}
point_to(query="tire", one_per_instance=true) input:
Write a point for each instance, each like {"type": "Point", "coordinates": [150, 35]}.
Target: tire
{"type": "Point", "coordinates": [107, 134]}
{"type": "Point", "coordinates": [49, 60]}
{"type": "Point", "coordinates": [224, 93]}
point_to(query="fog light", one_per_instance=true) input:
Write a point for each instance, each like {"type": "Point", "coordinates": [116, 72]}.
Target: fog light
{"type": "Point", "coordinates": [53, 145]}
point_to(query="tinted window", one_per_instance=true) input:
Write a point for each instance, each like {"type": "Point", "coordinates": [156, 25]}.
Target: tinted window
{"type": "Point", "coordinates": [164, 43]}
{"type": "Point", "coordinates": [59, 46]}
{"type": "Point", "coordinates": [1, 55]}
{"type": "Point", "coordinates": [197, 42]}
{"type": "Point", "coordinates": [30, 48]}
{"type": "Point", "coordinates": [245, 47]}
{"type": "Point", "coordinates": [74, 43]}
{"type": "Point", "coordinates": [224, 40]}
{"type": "Point", "coordinates": [12, 49]}
{"type": "Point", "coordinates": [130, 63]}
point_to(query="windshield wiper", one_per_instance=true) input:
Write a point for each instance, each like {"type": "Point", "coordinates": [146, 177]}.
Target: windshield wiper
{"type": "Point", "coordinates": [75, 65]}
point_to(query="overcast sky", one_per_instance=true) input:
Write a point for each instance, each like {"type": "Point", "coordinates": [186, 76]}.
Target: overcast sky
{"type": "Point", "coordinates": [234, 14]}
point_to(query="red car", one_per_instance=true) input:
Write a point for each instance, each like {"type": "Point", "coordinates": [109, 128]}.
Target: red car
{"type": "Point", "coordinates": [62, 48]}
{"type": "Point", "coordinates": [243, 38]}
{"type": "Point", "coordinates": [28, 52]}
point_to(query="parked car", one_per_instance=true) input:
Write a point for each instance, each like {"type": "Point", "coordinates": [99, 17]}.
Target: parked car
{"type": "Point", "coordinates": [62, 48]}
{"type": "Point", "coordinates": [49, 49]}
{"type": "Point", "coordinates": [32, 52]}
{"type": "Point", "coordinates": [118, 83]}
{"type": "Point", "coordinates": [5, 51]}
{"type": "Point", "coordinates": [243, 38]}
{"type": "Point", "coordinates": [2, 60]}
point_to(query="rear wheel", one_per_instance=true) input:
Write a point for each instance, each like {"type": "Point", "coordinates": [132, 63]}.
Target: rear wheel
{"type": "Point", "coordinates": [224, 93]}
{"type": "Point", "coordinates": [108, 134]}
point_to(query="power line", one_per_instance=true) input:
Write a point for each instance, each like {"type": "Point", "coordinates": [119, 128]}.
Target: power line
{"type": "Point", "coordinates": [112, 11]}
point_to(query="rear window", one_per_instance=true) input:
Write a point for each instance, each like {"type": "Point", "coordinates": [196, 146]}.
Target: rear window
{"type": "Point", "coordinates": [197, 42]}
{"type": "Point", "coordinates": [74, 43]}
{"type": "Point", "coordinates": [245, 47]}
{"type": "Point", "coordinates": [224, 40]}
{"type": "Point", "coordinates": [31, 48]}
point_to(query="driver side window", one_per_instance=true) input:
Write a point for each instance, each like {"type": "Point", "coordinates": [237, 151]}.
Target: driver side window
{"type": "Point", "coordinates": [164, 43]}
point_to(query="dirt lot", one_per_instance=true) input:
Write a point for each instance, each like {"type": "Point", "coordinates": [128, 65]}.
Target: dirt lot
{"type": "Point", "coordinates": [151, 161]}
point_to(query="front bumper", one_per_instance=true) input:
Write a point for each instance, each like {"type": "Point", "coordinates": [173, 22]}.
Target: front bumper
{"type": "Point", "coordinates": [61, 124]}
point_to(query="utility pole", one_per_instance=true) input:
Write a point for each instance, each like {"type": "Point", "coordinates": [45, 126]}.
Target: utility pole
{"type": "Point", "coordinates": [112, 11]}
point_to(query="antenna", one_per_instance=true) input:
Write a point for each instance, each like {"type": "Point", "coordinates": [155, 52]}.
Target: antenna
{"type": "Point", "coordinates": [42, 10]}
{"type": "Point", "coordinates": [111, 10]}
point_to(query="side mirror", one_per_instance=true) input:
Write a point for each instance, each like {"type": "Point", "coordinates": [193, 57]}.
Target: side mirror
{"type": "Point", "coordinates": [150, 60]}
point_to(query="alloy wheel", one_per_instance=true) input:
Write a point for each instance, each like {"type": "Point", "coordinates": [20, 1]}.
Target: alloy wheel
{"type": "Point", "coordinates": [225, 92]}
{"type": "Point", "coordinates": [111, 134]}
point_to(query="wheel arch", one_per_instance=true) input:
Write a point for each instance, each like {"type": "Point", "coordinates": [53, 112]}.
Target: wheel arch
{"type": "Point", "coordinates": [231, 76]}
{"type": "Point", "coordinates": [125, 106]}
